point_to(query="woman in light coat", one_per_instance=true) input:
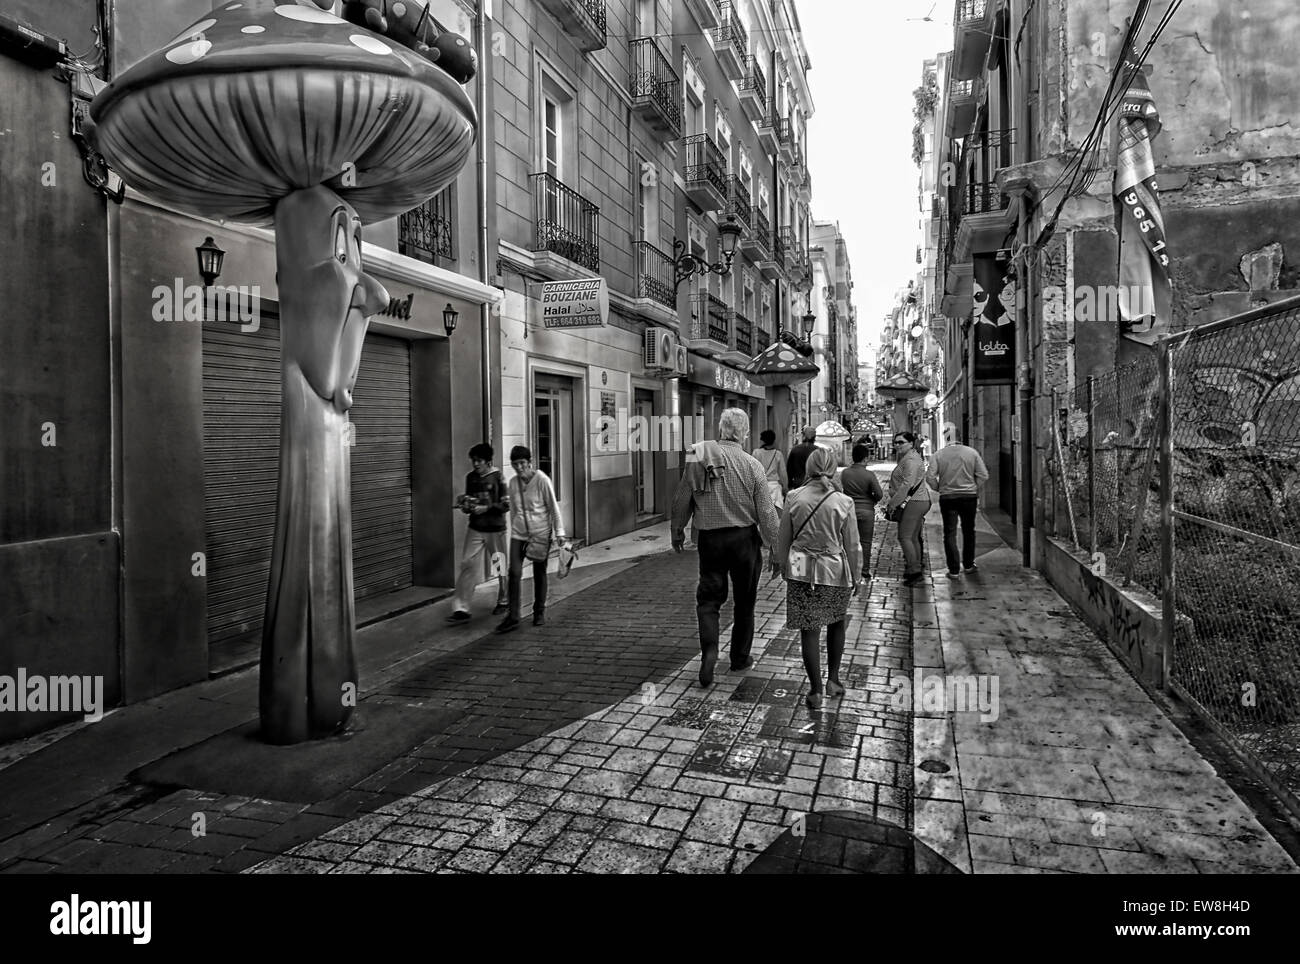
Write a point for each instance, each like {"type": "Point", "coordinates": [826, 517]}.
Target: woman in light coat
{"type": "Point", "coordinates": [773, 462]}
{"type": "Point", "coordinates": [818, 541]}
{"type": "Point", "coordinates": [907, 484]}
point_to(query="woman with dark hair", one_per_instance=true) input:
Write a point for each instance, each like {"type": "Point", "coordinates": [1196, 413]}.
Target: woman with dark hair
{"type": "Point", "coordinates": [822, 556]}
{"type": "Point", "coordinates": [534, 523]}
{"type": "Point", "coordinates": [773, 463]}
{"type": "Point", "coordinates": [907, 487]}
{"type": "Point", "coordinates": [861, 484]}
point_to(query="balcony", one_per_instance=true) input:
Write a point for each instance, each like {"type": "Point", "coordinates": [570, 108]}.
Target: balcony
{"type": "Point", "coordinates": [739, 205]}
{"type": "Point", "coordinates": [427, 233]}
{"type": "Point", "coordinates": [779, 264]}
{"type": "Point", "coordinates": [584, 20]}
{"type": "Point", "coordinates": [731, 43]}
{"type": "Point", "coordinates": [567, 223]}
{"type": "Point", "coordinates": [785, 139]}
{"type": "Point", "coordinates": [971, 29]}
{"type": "Point", "coordinates": [761, 341]}
{"type": "Point", "coordinates": [656, 89]}
{"type": "Point", "coordinates": [753, 90]}
{"type": "Point", "coordinates": [804, 187]}
{"type": "Point", "coordinates": [787, 247]}
{"type": "Point", "coordinates": [656, 295]}
{"type": "Point", "coordinates": [708, 333]}
{"type": "Point", "coordinates": [705, 173]}
{"type": "Point", "coordinates": [768, 137]}
{"type": "Point", "coordinates": [740, 347]}
{"type": "Point", "coordinates": [758, 242]}
{"type": "Point", "coordinates": [705, 12]}
{"type": "Point", "coordinates": [963, 98]}
{"type": "Point", "coordinates": [981, 215]}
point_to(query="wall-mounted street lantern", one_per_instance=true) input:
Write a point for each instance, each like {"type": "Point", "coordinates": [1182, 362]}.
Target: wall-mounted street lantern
{"type": "Point", "coordinates": [685, 264]}
{"type": "Point", "coordinates": [449, 318]}
{"type": "Point", "coordinates": [210, 260]}
{"type": "Point", "coordinates": [809, 323]}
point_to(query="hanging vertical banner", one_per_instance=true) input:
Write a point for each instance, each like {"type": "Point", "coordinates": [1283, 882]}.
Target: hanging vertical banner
{"type": "Point", "coordinates": [993, 312]}
{"type": "Point", "coordinates": [1145, 291]}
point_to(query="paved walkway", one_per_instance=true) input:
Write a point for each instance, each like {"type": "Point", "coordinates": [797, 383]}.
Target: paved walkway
{"type": "Point", "coordinates": [588, 745]}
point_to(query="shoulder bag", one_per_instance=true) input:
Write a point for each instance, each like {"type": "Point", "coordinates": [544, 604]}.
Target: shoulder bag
{"type": "Point", "coordinates": [896, 513]}
{"type": "Point", "coordinates": [538, 547]}
{"type": "Point", "coordinates": [798, 563]}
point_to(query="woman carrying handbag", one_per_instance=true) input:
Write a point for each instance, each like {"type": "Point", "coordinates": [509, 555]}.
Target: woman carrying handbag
{"type": "Point", "coordinates": [534, 523]}
{"type": "Point", "coordinates": [818, 541]}
{"type": "Point", "coordinates": [909, 501]}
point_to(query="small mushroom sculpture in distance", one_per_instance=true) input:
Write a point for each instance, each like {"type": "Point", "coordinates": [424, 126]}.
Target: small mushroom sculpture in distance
{"type": "Point", "coordinates": [284, 114]}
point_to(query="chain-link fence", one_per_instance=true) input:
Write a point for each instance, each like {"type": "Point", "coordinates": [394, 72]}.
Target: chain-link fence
{"type": "Point", "coordinates": [1230, 576]}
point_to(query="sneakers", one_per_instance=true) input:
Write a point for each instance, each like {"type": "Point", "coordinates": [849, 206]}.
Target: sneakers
{"type": "Point", "coordinates": [500, 609]}
{"type": "Point", "coordinates": [954, 575]}
{"type": "Point", "coordinates": [508, 625]}
{"type": "Point", "coordinates": [459, 616]}
{"type": "Point", "coordinates": [749, 661]}
{"type": "Point", "coordinates": [972, 568]}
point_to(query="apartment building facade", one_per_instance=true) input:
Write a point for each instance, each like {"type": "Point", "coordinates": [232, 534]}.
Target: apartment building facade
{"type": "Point", "coordinates": [1026, 214]}
{"type": "Point", "coordinates": [835, 390]}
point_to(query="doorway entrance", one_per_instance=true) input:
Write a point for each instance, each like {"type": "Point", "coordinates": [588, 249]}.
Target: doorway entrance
{"type": "Point", "coordinates": [643, 461]}
{"type": "Point", "coordinates": [553, 435]}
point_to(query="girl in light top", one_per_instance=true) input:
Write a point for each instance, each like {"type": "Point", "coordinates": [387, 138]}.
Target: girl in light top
{"type": "Point", "coordinates": [534, 524]}
{"type": "Point", "coordinates": [819, 544]}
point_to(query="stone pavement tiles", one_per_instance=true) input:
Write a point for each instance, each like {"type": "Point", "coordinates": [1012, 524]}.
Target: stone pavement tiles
{"type": "Point", "coordinates": [1076, 770]}
{"type": "Point", "coordinates": [671, 778]}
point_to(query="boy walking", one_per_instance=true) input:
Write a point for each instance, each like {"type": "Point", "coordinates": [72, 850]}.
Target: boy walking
{"type": "Point", "coordinates": [486, 504]}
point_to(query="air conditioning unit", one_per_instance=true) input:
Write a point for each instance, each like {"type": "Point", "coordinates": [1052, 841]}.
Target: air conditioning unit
{"type": "Point", "coordinates": [659, 348]}
{"type": "Point", "coordinates": [681, 362]}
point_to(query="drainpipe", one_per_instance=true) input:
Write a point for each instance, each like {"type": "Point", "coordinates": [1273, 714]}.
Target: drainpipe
{"type": "Point", "coordinates": [481, 162]}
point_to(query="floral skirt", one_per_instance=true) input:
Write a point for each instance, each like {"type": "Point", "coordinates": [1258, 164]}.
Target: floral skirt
{"type": "Point", "coordinates": [812, 607]}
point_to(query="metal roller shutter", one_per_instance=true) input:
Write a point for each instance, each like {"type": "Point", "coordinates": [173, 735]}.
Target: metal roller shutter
{"type": "Point", "coordinates": [241, 434]}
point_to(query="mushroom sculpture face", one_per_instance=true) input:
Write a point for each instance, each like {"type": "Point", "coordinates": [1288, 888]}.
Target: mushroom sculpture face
{"type": "Point", "coordinates": [283, 113]}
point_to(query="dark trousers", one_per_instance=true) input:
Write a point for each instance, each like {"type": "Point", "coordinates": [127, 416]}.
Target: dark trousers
{"type": "Point", "coordinates": [866, 530]}
{"type": "Point", "coordinates": [735, 553]}
{"type": "Point", "coordinates": [954, 509]}
{"type": "Point", "coordinates": [517, 547]}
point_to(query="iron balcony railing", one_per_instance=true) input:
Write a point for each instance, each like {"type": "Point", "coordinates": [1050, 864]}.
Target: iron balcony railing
{"type": "Point", "coordinates": [732, 32]}
{"type": "Point", "coordinates": [567, 223]}
{"type": "Point", "coordinates": [969, 10]}
{"type": "Point", "coordinates": [654, 274]}
{"type": "Point", "coordinates": [984, 197]}
{"type": "Point", "coordinates": [744, 332]}
{"type": "Point", "coordinates": [787, 244]}
{"type": "Point", "coordinates": [779, 246]}
{"type": "Point", "coordinates": [704, 162]}
{"type": "Point", "coordinates": [783, 131]}
{"type": "Point", "coordinates": [655, 82]}
{"type": "Point", "coordinates": [961, 88]}
{"type": "Point", "coordinates": [761, 340]}
{"type": "Point", "coordinates": [428, 232]}
{"type": "Point", "coordinates": [709, 318]}
{"type": "Point", "coordinates": [761, 228]}
{"type": "Point", "coordinates": [990, 149]}
{"type": "Point", "coordinates": [755, 80]}
{"type": "Point", "coordinates": [739, 203]}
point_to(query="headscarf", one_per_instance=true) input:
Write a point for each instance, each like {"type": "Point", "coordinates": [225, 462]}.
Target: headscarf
{"type": "Point", "coordinates": [821, 464]}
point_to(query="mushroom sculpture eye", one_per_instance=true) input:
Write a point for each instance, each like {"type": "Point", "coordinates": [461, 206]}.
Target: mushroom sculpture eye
{"type": "Point", "coordinates": [341, 244]}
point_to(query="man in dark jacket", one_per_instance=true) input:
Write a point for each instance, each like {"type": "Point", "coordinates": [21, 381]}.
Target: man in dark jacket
{"type": "Point", "coordinates": [486, 503]}
{"type": "Point", "coordinates": [798, 458]}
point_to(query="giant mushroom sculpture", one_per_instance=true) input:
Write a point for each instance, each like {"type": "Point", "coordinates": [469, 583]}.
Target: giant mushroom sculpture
{"type": "Point", "coordinates": [902, 387]}
{"type": "Point", "coordinates": [781, 364]}
{"type": "Point", "coordinates": [283, 113]}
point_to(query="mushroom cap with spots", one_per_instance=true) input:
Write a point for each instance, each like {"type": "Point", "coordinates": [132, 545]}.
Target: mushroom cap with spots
{"type": "Point", "coordinates": [779, 364]}
{"type": "Point", "coordinates": [260, 99]}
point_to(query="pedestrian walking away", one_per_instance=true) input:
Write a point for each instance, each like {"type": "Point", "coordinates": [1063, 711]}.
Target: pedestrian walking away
{"type": "Point", "coordinates": [907, 489]}
{"type": "Point", "coordinates": [773, 462]}
{"type": "Point", "coordinates": [535, 524]}
{"type": "Point", "coordinates": [861, 484]}
{"type": "Point", "coordinates": [486, 503]}
{"type": "Point", "coordinates": [794, 467]}
{"type": "Point", "coordinates": [820, 555]}
{"type": "Point", "coordinates": [959, 474]}
{"type": "Point", "coordinates": [724, 490]}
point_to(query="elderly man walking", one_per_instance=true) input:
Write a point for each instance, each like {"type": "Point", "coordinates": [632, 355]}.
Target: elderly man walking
{"type": "Point", "coordinates": [725, 489]}
{"type": "Point", "coordinates": [959, 474]}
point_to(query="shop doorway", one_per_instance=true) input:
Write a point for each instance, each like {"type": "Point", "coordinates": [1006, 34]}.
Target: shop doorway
{"type": "Point", "coordinates": [553, 435]}
{"type": "Point", "coordinates": [643, 461]}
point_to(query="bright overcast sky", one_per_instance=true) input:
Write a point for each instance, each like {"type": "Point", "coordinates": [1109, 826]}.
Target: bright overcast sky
{"type": "Point", "coordinates": [866, 61]}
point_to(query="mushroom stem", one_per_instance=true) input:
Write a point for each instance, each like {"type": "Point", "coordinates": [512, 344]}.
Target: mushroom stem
{"type": "Point", "coordinates": [308, 685]}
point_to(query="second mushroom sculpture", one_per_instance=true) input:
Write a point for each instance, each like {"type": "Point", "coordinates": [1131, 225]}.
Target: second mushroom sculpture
{"type": "Point", "coordinates": [284, 114]}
